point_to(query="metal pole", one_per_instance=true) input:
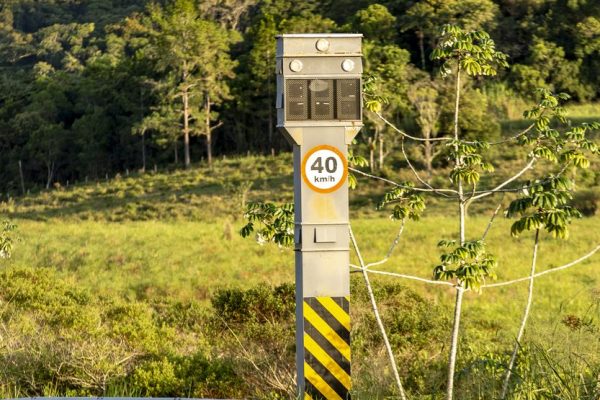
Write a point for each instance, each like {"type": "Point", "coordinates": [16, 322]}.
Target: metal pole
{"type": "Point", "coordinates": [319, 111]}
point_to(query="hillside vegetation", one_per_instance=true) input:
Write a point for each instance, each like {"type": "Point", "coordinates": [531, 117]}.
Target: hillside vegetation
{"type": "Point", "coordinates": [90, 88]}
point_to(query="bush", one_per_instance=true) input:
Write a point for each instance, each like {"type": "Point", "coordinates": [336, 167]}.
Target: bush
{"type": "Point", "coordinates": [192, 376]}
{"type": "Point", "coordinates": [260, 304]}
{"type": "Point", "coordinates": [416, 328]}
{"type": "Point", "coordinates": [255, 329]}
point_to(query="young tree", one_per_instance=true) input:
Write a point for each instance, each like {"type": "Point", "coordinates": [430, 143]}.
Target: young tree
{"type": "Point", "coordinates": [7, 239]}
{"type": "Point", "coordinates": [194, 55]}
{"type": "Point", "coordinates": [542, 202]}
{"type": "Point", "coordinates": [425, 98]}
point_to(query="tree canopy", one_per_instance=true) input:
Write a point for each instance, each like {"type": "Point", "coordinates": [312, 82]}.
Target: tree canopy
{"type": "Point", "coordinates": [96, 87]}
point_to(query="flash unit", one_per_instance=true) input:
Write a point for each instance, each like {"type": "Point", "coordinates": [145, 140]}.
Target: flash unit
{"type": "Point", "coordinates": [296, 66]}
{"type": "Point", "coordinates": [322, 44]}
{"type": "Point", "coordinates": [348, 65]}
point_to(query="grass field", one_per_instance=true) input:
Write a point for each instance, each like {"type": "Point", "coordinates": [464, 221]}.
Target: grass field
{"type": "Point", "coordinates": [190, 260]}
{"type": "Point", "coordinates": [174, 236]}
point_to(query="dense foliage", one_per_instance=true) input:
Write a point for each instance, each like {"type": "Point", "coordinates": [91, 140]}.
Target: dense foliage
{"type": "Point", "coordinates": [95, 87]}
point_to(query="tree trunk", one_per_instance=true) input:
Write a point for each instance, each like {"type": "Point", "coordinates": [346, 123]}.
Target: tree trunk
{"type": "Point", "coordinates": [144, 151]}
{"type": "Point", "coordinates": [176, 152]}
{"type": "Point", "coordinates": [186, 129]}
{"type": "Point", "coordinates": [209, 150]}
{"type": "Point", "coordinates": [186, 118]}
{"type": "Point", "coordinates": [421, 37]}
{"type": "Point", "coordinates": [143, 130]}
{"type": "Point", "coordinates": [381, 152]}
{"type": "Point", "coordinates": [22, 178]}
{"type": "Point", "coordinates": [371, 155]}
{"type": "Point", "coordinates": [50, 167]}
{"type": "Point", "coordinates": [270, 108]}
{"type": "Point", "coordinates": [462, 234]}
{"type": "Point", "coordinates": [208, 131]}
{"type": "Point", "coordinates": [428, 152]}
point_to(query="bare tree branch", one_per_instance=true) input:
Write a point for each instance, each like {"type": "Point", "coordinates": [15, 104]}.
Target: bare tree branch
{"type": "Point", "coordinates": [379, 178]}
{"type": "Point", "coordinates": [513, 357]}
{"type": "Point", "coordinates": [506, 182]}
{"type": "Point", "coordinates": [417, 174]}
{"type": "Point", "coordinates": [396, 240]}
{"type": "Point", "coordinates": [378, 317]}
{"type": "Point", "coordinates": [440, 139]}
{"type": "Point", "coordinates": [514, 137]}
{"type": "Point", "coordinates": [549, 271]}
{"type": "Point", "coordinates": [491, 285]}
{"type": "Point", "coordinates": [489, 225]}
{"type": "Point", "coordinates": [411, 277]}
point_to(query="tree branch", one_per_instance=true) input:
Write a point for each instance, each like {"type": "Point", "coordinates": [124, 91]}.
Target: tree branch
{"type": "Point", "coordinates": [489, 225]}
{"type": "Point", "coordinates": [506, 182]}
{"type": "Point", "coordinates": [409, 136]}
{"type": "Point", "coordinates": [378, 317]}
{"type": "Point", "coordinates": [549, 271]}
{"type": "Point", "coordinates": [379, 178]}
{"type": "Point", "coordinates": [411, 277]}
{"type": "Point", "coordinates": [391, 249]}
{"type": "Point", "coordinates": [518, 135]}
{"type": "Point", "coordinates": [416, 173]}
{"type": "Point", "coordinates": [513, 357]}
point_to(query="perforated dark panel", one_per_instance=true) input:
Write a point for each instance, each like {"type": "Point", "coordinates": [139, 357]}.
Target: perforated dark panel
{"type": "Point", "coordinates": [321, 99]}
{"type": "Point", "coordinates": [329, 99]}
{"type": "Point", "coordinates": [296, 102]}
{"type": "Point", "coordinates": [348, 99]}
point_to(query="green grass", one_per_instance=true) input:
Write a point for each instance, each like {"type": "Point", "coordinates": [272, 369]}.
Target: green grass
{"type": "Point", "coordinates": [176, 234]}
{"type": "Point", "coordinates": [173, 237]}
{"type": "Point", "coordinates": [189, 260]}
{"type": "Point", "coordinates": [200, 194]}
{"type": "Point", "coordinates": [587, 110]}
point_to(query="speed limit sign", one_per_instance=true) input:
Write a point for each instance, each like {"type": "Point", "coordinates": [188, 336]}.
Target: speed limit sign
{"type": "Point", "coordinates": [324, 169]}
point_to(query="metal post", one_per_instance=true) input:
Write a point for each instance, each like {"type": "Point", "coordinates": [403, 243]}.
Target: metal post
{"type": "Point", "coordinates": [319, 110]}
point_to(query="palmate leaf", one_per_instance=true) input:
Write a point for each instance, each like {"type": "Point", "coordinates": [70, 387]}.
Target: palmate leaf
{"type": "Point", "coordinates": [407, 203]}
{"type": "Point", "coordinates": [473, 52]}
{"type": "Point", "coordinates": [271, 223]}
{"type": "Point", "coordinates": [469, 264]}
{"type": "Point", "coordinates": [544, 204]}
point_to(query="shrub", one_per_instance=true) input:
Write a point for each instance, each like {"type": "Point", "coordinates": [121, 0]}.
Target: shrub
{"type": "Point", "coordinates": [260, 304]}
{"type": "Point", "coordinates": [190, 376]}
{"type": "Point", "coordinates": [416, 329]}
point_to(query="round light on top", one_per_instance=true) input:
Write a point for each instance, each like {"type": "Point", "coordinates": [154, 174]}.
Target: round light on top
{"type": "Point", "coordinates": [348, 65]}
{"type": "Point", "coordinates": [322, 44]}
{"type": "Point", "coordinates": [296, 66]}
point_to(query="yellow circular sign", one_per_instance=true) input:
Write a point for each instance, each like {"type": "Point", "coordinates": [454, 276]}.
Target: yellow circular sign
{"type": "Point", "coordinates": [324, 169]}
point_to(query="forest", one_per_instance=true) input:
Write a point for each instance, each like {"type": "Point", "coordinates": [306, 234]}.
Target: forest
{"type": "Point", "coordinates": [94, 88]}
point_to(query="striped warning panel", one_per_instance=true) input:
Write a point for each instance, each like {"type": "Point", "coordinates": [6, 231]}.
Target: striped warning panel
{"type": "Point", "coordinates": [327, 348]}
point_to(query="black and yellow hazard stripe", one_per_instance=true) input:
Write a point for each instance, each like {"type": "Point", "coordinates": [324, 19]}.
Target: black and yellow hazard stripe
{"type": "Point", "coordinates": [327, 348]}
